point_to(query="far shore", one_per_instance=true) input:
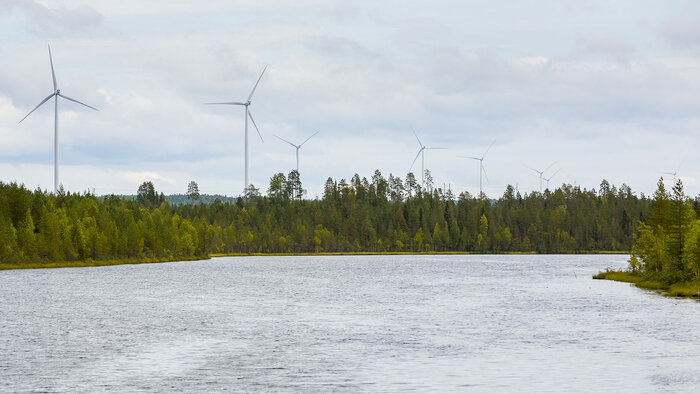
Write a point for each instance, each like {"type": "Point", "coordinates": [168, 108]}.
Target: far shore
{"type": "Point", "coordinates": [151, 260]}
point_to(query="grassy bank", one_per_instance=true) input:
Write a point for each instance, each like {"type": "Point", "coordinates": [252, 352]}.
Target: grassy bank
{"type": "Point", "coordinates": [396, 253]}
{"type": "Point", "coordinates": [99, 263]}
{"type": "Point", "coordinates": [96, 263]}
{"type": "Point", "coordinates": [651, 282]}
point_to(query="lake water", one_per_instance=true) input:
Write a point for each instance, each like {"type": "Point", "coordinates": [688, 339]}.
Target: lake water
{"type": "Point", "coordinates": [345, 323]}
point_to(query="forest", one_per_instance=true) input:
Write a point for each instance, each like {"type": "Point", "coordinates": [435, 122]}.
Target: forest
{"type": "Point", "coordinates": [376, 215]}
{"type": "Point", "coordinates": [666, 251]}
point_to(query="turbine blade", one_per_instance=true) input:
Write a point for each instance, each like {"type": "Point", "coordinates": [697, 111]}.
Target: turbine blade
{"type": "Point", "coordinates": [284, 140]}
{"type": "Point", "coordinates": [309, 138]}
{"type": "Point", "coordinates": [414, 133]}
{"type": "Point", "coordinates": [469, 157]}
{"type": "Point", "coordinates": [530, 168]}
{"type": "Point", "coordinates": [414, 160]}
{"type": "Point", "coordinates": [543, 171]}
{"type": "Point", "coordinates": [35, 108]}
{"type": "Point", "coordinates": [680, 165]}
{"type": "Point", "coordinates": [76, 101]}
{"type": "Point", "coordinates": [555, 173]}
{"type": "Point", "coordinates": [256, 126]}
{"type": "Point", "coordinates": [488, 149]}
{"type": "Point", "coordinates": [436, 148]}
{"type": "Point", "coordinates": [256, 84]}
{"type": "Point", "coordinates": [53, 74]}
{"type": "Point", "coordinates": [227, 103]}
{"type": "Point", "coordinates": [485, 174]}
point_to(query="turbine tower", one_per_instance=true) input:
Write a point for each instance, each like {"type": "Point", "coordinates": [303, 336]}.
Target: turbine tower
{"type": "Point", "coordinates": [421, 152]}
{"type": "Point", "coordinates": [297, 146]}
{"type": "Point", "coordinates": [482, 169]}
{"type": "Point", "coordinates": [56, 93]}
{"type": "Point", "coordinates": [551, 176]}
{"type": "Point", "coordinates": [541, 173]}
{"type": "Point", "coordinates": [248, 114]}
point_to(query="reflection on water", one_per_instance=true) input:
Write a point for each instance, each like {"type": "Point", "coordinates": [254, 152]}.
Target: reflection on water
{"type": "Point", "coordinates": [344, 323]}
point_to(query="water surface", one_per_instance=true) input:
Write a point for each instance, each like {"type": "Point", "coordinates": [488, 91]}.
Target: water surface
{"type": "Point", "coordinates": [345, 323]}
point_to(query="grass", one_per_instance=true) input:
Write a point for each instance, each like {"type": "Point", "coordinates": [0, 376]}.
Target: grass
{"type": "Point", "coordinates": [652, 282]}
{"type": "Point", "coordinates": [96, 263]}
{"type": "Point", "coordinates": [148, 260]}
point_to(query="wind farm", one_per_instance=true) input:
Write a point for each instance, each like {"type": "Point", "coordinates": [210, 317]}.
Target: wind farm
{"type": "Point", "coordinates": [333, 266]}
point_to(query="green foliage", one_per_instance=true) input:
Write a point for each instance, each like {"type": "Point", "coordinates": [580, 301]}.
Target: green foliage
{"type": "Point", "coordinates": [668, 249]}
{"type": "Point", "coordinates": [381, 215]}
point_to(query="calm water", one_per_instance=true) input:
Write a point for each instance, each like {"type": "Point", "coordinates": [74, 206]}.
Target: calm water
{"type": "Point", "coordinates": [346, 323]}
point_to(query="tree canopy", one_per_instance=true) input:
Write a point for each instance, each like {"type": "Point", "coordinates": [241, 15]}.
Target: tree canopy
{"type": "Point", "coordinates": [377, 215]}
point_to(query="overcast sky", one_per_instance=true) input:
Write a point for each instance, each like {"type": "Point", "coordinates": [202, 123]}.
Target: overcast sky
{"type": "Point", "coordinates": [606, 90]}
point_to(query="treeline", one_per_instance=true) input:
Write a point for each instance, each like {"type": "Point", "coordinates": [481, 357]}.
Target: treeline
{"type": "Point", "coordinates": [38, 227]}
{"type": "Point", "coordinates": [668, 246]}
{"type": "Point", "coordinates": [391, 215]}
{"type": "Point", "coordinates": [377, 215]}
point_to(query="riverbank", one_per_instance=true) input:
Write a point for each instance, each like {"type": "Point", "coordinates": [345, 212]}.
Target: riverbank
{"type": "Point", "coordinates": [97, 263]}
{"type": "Point", "coordinates": [679, 289]}
{"type": "Point", "coordinates": [402, 253]}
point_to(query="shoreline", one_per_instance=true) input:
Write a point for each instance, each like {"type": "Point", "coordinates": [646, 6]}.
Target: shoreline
{"type": "Point", "coordinates": [153, 260]}
{"type": "Point", "coordinates": [98, 263]}
{"type": "Point", "coordinates": [680, 290]}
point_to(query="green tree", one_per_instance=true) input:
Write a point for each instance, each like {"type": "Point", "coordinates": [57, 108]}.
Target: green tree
{"type": "Point", "coordinates": [193, 191]}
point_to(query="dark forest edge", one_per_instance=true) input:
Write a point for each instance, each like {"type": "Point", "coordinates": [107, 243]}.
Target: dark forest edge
{"type": "Point", "coordinates": [665, 255]}
{"type": "Point", "coordinates": [378, 216]}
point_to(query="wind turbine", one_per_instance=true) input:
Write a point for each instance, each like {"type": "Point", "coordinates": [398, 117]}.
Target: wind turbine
{"type": "Point", "coordinates": [551, 176]}
{"type": "Point", "coordinates": [297, 146]}
{"type": "Point", "coordinates": [672, 173]}
{"type": "Point", "coordinates": [246, 104]}
{"type": "Point", "coordinates": [421, 152]}
{"type": "Point", "coordinates": [675, 172]}
{"type": "Point", "coordinates": [56, 93]}
{"type": "Point", "coordinates": [482, 169]}
{"type": "Point", "coordinates": [540, 173]}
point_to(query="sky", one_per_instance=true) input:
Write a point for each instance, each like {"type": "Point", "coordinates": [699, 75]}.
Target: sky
{"type": "Point", "coordinates": [587, 89]}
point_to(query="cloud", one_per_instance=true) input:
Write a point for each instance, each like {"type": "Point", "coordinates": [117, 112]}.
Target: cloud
{"type": "Point", "coordinates": [52, 21]}
{"type": "Point", "coordinates": [139, 177]}
{"type": "Point", "coordinates": [609, 47]}
{"type": "Point", "coordinates": [607, 109]}
{"type": "Point", "coordinates": [682, 32]}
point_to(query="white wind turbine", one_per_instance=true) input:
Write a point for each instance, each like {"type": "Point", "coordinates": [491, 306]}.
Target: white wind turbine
{"type": "Point", "coordinates": [482, 169]}
{"type": "Point", "coordinates": [246, 104]}
{"type": "Point", "coordinates": [541, 173]}
{"type": "Point", "coordinates": [56, 93]}
{"type": "Point", "coordinates": [675, 172]}
{"type": "Point", "coordinates": [421, 152]}
{"type": "Point", "coordinates": [297, 146]}
{"type": "Point", "coordinates": [551, 176]}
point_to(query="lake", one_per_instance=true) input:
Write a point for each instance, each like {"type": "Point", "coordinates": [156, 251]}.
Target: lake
{"type": "Point", "coordinates": [480, 323]}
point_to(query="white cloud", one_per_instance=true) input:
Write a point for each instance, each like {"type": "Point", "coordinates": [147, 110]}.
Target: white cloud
{"type": "Point", "coordinates": [682, 32]}
{"type": "Point", "coordinates": [136, 178]}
